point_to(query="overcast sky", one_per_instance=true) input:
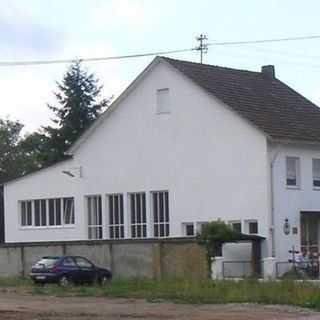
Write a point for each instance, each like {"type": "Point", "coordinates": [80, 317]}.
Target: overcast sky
{"type": "Point", "coordinates": [44, 29]}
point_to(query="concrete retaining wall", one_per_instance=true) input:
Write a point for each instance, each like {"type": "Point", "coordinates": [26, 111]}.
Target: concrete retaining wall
{"type": "Point", "coordinates": [153, 259]}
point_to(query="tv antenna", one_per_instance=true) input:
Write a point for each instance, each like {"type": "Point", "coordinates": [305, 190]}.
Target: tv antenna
{"type": "Point", "coordinates": [203, 45]}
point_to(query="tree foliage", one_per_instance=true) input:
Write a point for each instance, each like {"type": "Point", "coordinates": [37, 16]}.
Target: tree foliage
{"type": "Point", "coordinates": [78, 106]}
{"type": "Point", "coordinates": [214, 234]}
{"type": "Point", "coordinates": [9, 157]}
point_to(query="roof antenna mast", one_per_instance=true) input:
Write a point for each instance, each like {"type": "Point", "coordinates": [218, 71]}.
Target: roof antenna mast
{"type": "Point", "coordinates": [203, 46]}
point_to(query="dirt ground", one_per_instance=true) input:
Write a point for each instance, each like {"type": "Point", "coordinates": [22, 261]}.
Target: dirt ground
{"type": "Point", "coordinates": [18, 304]}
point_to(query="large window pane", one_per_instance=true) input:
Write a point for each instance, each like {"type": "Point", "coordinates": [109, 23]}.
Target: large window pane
{"type": "Point", "coordinates": [115, 215]}
{"type": "Point", "coordinates": [137, 203]}
{"type": "Point", "coordinates": [160, 208]}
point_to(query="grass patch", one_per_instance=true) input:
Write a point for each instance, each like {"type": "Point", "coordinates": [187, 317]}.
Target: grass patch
{"type": "Point", "coordinates": [287, 292]}
{"type": "Point", "coordinates": [210, 292]}
{"type": "Point", "coordinates": [15, 282]}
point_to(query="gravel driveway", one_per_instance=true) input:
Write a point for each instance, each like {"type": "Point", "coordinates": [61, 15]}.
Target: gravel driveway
{"type": "Point", "coordinates": [18, 304]}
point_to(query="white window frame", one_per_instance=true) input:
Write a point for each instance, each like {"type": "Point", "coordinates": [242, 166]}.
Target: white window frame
{"type": "Point", "coordinates": [163, 107]}
{"type": "Point", "coordinates": [55, 200]}
{"type": "Point", "coordinates": [247, 226]}
{"type": "Point", "coordinates": [25, 213]}
{"type": "Point", "coordinates": [184, 229]}
{"type": "Point", "coordinates": [297, 173]}
{"type": "Point", "coordinates": [115, 230]}
{"type": "Point", "coordinates": [47, 216]}
{"type": "Point", "coordinates": [161, 229]}
{"type": "Point", "coordinates": [94, 214]}
{"type": "Point", "coordinates": [64, 211]}
{"type": "Point", "coordinates": [135, 226]}
{"type": "Point", "coordinates": [200, 225]}
{"type": "Point", "coordinates": [233, 222]}
{"type": "Point", "coordinates": [315, 175]}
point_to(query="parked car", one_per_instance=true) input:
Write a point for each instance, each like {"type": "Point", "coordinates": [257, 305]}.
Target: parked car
{"type": "Point", "coordinates": [66, 269]}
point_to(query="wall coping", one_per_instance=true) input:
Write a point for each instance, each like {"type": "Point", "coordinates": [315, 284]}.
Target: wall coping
{"type": "Point", "coordinates": [97, 242]}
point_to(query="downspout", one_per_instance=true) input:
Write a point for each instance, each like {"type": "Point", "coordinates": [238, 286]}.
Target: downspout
{"type": "Point", "coordinates": [273, 247]}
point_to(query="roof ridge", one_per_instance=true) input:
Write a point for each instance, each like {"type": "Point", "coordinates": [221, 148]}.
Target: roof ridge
{"type": "Point", "coordinates": [210, 65]}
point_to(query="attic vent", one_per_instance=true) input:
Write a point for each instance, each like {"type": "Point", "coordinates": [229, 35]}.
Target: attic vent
{"type": "Point", "coordinates": [268, 72]}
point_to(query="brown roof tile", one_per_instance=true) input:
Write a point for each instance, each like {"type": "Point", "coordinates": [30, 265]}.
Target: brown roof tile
{"type": "Point", "coordinates": [269, 104]}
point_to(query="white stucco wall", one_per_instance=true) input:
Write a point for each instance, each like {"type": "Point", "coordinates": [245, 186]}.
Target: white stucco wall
{"type": "Point", "coordinates": [213, 162]}
{"type": "Point", "coordinates": [288, 202]}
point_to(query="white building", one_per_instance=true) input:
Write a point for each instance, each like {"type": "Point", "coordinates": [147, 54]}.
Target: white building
{"type": "Point", "coordinates": [183, 145]}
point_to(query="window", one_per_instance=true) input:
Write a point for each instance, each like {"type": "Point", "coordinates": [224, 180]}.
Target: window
{"type": "Point", "coordinates": [201, 226]}
{"type": "Point", "coordinates": [40, 213]}
{"type": "Point", "coordinates": [160, 210]}
{"type": "Point", "coordinates": [69, 262]}
{"type": "Point", "coordinates": [83, 263]}
{"type": "Point", "coordinates": [188, 229]}
{"type": "Point", "coordinates": [253, 227]}
{"type": "Point", "coordinates": [115, 214]}
{"type": "Point", "coordinates": [138, 215]}
{"type": "Point", "coordinates": [54, 212]}
{"type": "Point", "coordinates": [236, 226]}
{"type": "Point", "coordinates": [68, 211]}
{"type": "Point", "coordinates": [26, 213]}
{"type": "Point", "coordinates": [163, 101]}
{"type": "Point", "coordinates": [47, 212]}
{"type": "Point", "coordinates": [316, 172]}
{"type": "Point", "coordinates": [292, 167]}
{"type": "Point", "coordinates": [94, 217]}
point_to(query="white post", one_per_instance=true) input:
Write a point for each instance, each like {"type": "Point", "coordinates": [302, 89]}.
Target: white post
{"type": "Point", "coordinates": [269, 268]}
{"type": "Point", "coordinates": [217, 268]}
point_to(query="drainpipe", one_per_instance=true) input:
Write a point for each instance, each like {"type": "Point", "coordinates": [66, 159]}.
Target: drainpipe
{"type": "Point", "coordinates": [273, 249]}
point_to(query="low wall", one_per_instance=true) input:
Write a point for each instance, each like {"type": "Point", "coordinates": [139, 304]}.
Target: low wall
{"type": "Point", "coordinates": [153, 259]}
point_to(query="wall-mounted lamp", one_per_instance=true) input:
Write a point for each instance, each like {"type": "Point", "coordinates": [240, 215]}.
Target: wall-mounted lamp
{"type": "Point", "coordinates": [71, 172]}
{"type": "Point", "coordinates": [286, 226]}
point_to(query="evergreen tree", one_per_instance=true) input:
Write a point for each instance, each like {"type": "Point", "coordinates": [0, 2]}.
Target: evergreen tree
{"type": "Point", "coordinates": [9, 139]}
{"type": "Point", "coordinates": [77, 96]}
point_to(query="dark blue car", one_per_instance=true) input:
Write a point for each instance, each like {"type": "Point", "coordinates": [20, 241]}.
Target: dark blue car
{"type": "Point", "coordinates": [66, 269]}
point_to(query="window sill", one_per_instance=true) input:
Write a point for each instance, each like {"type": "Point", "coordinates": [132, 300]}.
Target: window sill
{"type": "Point", "coordinates": [293, 187]}
{"type": "Point", "coordinates": [47, 227]}
{"type": "Point", "coordinates": [316, 188]}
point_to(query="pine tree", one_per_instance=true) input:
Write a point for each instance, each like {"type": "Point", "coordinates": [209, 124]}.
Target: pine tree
{"type": "Point", "coordinates": [77, 96]}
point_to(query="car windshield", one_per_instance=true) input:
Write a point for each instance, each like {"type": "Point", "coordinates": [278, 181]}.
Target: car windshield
{"type": "Point", "coordinates": [47, 262]}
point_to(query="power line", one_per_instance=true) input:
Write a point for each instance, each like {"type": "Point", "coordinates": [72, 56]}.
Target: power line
{"type": "Point", "coordinates": [139, 55]}
{"type": "Point", "coordinates": [227, 43]}
{"type": "Point", "coordinates": [41, 62]}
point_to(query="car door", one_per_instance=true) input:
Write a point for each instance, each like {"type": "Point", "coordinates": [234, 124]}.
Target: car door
{"type": "Point", "coordinates": [70, 268]}
{"type": "Point", "coordinates": [86, 269]}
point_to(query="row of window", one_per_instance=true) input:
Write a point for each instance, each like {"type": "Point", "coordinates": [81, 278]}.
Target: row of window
{"type": "Point", "coordinates": [293, 175]}
{"type": "Point", "coordinates": [47, 212]}
{"type": "Point", "coordinates": [251, 226]}
{"type": "Point", "coordinates": [137, 215]}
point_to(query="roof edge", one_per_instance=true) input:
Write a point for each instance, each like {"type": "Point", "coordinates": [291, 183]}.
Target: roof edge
{"type": "Point", "coordinates": [113, 106]}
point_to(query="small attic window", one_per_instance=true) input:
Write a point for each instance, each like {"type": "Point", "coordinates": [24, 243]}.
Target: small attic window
{"type": "Point", "coordinates": [163, 101]}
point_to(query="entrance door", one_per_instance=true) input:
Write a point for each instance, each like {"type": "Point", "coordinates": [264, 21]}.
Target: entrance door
{"type": "Point", "coordinates": [310, 232]}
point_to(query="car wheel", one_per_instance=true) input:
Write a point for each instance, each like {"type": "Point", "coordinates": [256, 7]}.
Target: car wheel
{"type": "Point", "coordinates": [64, 281]}
{"type": "Point", "coordinates": [104, 281]}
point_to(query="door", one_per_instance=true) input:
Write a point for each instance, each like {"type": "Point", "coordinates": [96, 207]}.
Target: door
{"type": "Point", "coordinates": [86, 269]}
{"type": "Point", "coordinates": [310, 233]}
{"type": "Point", "coordinates": [70, 268]}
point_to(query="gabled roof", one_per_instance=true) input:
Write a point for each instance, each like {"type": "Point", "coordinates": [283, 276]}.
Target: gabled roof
{"type": "Point", "coordinates": [268, 103]}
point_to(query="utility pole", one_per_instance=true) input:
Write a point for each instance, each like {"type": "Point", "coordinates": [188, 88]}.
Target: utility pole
{"type": "Point", "coordinates": [203, 47]}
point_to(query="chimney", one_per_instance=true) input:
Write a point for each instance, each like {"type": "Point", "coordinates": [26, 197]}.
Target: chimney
{"type": "Point", "coordinates": [268, 72]}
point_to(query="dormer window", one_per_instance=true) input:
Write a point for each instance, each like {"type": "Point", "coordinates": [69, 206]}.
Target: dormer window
{"type": "Point", "coordinates": [163, 101]}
